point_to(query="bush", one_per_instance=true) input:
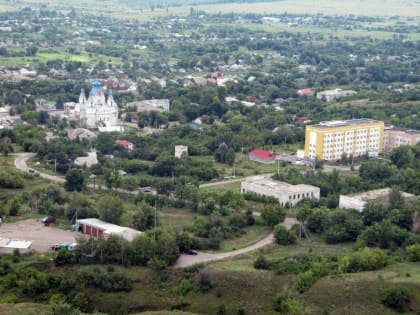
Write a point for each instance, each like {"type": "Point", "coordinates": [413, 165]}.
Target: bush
{"type": "Point", "coordinates": [283, 236]}
{"type": "Point", "coordinates": [396, 298]}
{"type": "Point", "coordinates": [261, 263]}
{"type": "Point", "coordinates": [413, 252]}
{"type": "Point", "coordinates": [285, 304]}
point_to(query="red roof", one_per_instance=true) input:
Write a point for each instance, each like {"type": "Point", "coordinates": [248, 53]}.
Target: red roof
{"type": "Point", "coordinates": [124, 143]}
{"type": "Point", "coordinates": [306, 91]}
{"type": "Point", "coordinates": [262, 154]}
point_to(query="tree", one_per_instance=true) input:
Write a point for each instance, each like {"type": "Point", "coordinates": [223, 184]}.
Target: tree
{"type": "Point", "coordinates": [75, 181]}
{"type": "Point", "coordinates": [237, 201]}
{"type": "Point", "coordinates": [283, 236]}
{"type": "Point", "coordinates": [230, 156]}
{"type": "Point", "coordinates": [144, 218]}
{"type": "Point", "coordinates": [6, 146]}
{"type": "Point", "coordinates": [111, 208]}
{"type": "Point", "coordinates": [14, 207]}
{"type": "Point", "coordinates": [403, 156]}
{"type": "Point", "coordinates": [273, 214]}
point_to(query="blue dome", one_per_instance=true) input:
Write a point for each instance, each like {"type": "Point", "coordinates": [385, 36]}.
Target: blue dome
{"type": "Point", "coordinates": [96, 84]}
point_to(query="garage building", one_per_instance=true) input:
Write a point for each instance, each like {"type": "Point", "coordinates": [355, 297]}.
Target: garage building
{"type": "Point", "coordinates": [101, 229]}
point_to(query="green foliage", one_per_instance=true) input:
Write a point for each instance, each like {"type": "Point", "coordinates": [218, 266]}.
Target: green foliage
{"type": "Point", "coordinates": [396, 298]}
{"type": "Point", "coordinates": [6, 146]}
{"type": "Point", "coordinates": [286, 304]}
{"type": "Point", "coordinates": [363, 260]}
{"type": "Point", "coordinates": [106, 280]}
{"type": "Point", "coordinates": [403, 156]}
{"type": "Point", "coordinates": [75, 181]}
{"type": "Point", "coordinates": [111, 208]}
{"type": "Point", "coordinates": [144, 217]}
{"type": "Point", "coordinates": [261, 263]}
{"type": "Point", "coordinates": [273, 214]}
{"type": "Point", "coordinates": [10, 179]}
{"type": "Point", "coordinates": [284, 236]}
{"type": "Point", "coordinates": [413, 252]}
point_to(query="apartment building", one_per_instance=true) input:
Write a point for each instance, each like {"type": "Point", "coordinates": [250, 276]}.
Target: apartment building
{"type": "Point", "coordinates": [328, 140]}
{"type": "Point", "coordinates": [395, 136]}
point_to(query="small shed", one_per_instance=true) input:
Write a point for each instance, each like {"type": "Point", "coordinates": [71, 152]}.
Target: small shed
{"type": "Point", "coordinates": [7, 246]}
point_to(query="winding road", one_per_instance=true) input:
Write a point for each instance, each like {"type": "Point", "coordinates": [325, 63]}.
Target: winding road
{"type": "Point", "coordinates": [184, 260]}
{"type": "Point", "coordinates": [190, 260]}
{"type": "Point", "coordinates": [20, 164]}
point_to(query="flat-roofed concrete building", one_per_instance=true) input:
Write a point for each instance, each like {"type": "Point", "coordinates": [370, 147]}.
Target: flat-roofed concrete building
{"type": "Point", "coordinates": [395, 136]}
{"type": "Point", "coordinates": [358, 201]}
{"type": "Point", "coordinates": [331, 95]}
{"type": "Point", "coordinates": [160, 105]}
{"type": "Point", "coordinates": [288, 195]}
{"type": "Point", "coordinates": [101, 229]}
{"type": "Point", "coordinates": [329, 140]}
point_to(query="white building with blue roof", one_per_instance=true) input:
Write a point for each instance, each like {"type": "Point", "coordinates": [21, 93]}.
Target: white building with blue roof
{"type": "Point", "coordinates": [97, 111]}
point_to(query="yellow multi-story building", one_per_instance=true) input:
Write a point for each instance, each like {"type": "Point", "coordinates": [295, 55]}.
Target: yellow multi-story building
{"type": "Point", "coordinates": [329, 140]}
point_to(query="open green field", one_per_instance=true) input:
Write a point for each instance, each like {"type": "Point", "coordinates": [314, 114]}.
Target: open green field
{"type": "Point", "coordinates": [337, 295]}
{"type": "Point", "coordinates": [142, 10]}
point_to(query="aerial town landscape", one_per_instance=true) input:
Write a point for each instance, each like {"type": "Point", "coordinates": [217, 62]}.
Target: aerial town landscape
{"type": "Point", "coordinates": [209, 157]}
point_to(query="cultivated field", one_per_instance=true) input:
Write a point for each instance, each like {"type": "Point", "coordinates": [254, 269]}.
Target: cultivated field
{"type": "Point", "coordinates": [141, 9]}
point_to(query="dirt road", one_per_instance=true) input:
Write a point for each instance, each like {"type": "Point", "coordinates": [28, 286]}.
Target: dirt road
{"type": "Point", "coordinates": [20, 164]}
{"type": "Point", "coordinates": [190, 260]}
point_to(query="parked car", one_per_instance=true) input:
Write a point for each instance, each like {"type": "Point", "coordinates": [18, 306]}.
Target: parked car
{"type": "Point", "coordinates": [191, 252]}
{"type": "Point", "coordinates": [48, 220]}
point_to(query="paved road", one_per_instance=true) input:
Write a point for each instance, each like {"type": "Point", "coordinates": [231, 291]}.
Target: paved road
{"type": "Point", "coordinates": [20, 164]}
{"type": "Point", "coordinates": [189, 260]}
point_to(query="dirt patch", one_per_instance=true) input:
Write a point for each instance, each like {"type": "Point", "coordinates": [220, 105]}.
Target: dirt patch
{"type": "Point", "coordinates": [42, 237]}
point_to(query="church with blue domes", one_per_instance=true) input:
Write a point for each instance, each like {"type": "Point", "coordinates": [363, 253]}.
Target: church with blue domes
{"type": "Point", "coordinates": [97, 111]}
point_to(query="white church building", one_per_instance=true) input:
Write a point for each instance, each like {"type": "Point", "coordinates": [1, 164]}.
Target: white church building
{"type": "Point", "coordinates": [97, 111]}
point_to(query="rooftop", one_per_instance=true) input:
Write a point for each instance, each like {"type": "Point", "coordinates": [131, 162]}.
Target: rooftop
{"type": "Point", "coordinates": [343, 123]}
{"type": "Point", "coordinates": [109, 228]}
{"type": "Point", "coordinates": [377, 194]}
{"type": "Point", "coordinates": [262, 154]}
{"type": "Point", "coordinates": [405, 130]}
{"type": "Point", "coordinates": [272, 185]}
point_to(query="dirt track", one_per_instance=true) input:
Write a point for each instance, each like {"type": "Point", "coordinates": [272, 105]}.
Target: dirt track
{"type": "Point", "coordinates": [42, 237]}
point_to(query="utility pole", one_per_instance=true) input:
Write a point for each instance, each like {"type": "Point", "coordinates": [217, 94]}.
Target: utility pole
{"type": "Point", "coordinates": [154, 230]}
{"type": "Point", "coordinates": [55, 165]}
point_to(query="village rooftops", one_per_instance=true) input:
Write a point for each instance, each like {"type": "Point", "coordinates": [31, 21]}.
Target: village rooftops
{"type": "Point", "coordinates": [343, 123]}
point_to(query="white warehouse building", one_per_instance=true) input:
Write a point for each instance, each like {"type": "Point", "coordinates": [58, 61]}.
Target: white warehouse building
{"type": "Point", "coordinates": [286, 194]}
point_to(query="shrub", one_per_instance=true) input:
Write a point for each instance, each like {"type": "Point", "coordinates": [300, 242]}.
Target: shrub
{"type": "Point", "coordinates": [396, 298]}
{"type": "Point", "coordinates": [285, 304]}
{"type": "Point", "coordinates": [413, 252]}
{"type": "Point", "coordinates": [261, 263]}
{"type": "Point", "coordinates": [283, 236]}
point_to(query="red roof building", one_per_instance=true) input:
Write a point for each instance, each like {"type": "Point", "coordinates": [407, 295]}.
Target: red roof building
{"type": "Point", "coordinates": [125, 144]}
{"type": "Point", "coordinates": [262, 156]}
{"type": "Point", "coordinates": [306, 92]}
